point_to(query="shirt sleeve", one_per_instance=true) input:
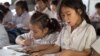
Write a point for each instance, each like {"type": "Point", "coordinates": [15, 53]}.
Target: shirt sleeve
{"type": "Point", "coordinates": [13, 20]}
{"type": "Point", "coordinates": [54, 38]}
{"type": "Point", "coordinates": [4, 39]}
{"type": "Point", "coordinates": [25, 36]}
{"type": "Point", "coordinates": [63, 39]}
{"type": "Point", "coordinates": [58, 42]}
{"type": "Point", "coordinates": [91, 37]}
{"type": "Point", "coordinates": [26, 21]}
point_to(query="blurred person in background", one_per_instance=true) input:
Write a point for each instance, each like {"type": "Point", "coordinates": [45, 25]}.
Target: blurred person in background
{"type": "Point", "coordinates": [4, 39]}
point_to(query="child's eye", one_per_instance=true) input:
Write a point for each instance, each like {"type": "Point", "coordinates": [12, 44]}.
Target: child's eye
{"type": "Point", "coordinates": [62, 15]}
{"type": "Point", "coordinates": [35, 32]}
{"type": "Point", "coordinates": [68, 14]}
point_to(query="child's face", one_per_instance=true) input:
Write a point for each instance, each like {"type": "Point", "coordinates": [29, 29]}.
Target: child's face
{"type": "Point", "coordinates": [38, 33]}
{"type": "Point", "coordinates": [19, 10]}
{"type": "Point", "coordinates": [53, 8]}
{"type": "Point", "coordinates": [98, 10]}
{"type": "Point", "coordinates": [70, 16]}
{"type": "Point", "coordinates": [40, 5]}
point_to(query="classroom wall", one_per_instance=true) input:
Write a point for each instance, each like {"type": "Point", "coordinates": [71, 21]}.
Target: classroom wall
{"type": "Point", "coordinates": [92, 6]}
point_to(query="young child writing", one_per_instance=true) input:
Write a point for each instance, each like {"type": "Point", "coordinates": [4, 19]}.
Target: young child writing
{"type": "Point", "coordinates": [43, 33]}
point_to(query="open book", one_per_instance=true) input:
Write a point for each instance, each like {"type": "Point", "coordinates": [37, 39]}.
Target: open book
{"type": "Point", "coordinates": [17, 48]}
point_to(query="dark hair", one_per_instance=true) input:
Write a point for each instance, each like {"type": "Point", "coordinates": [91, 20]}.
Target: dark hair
{"type": "Point", "coordinates": [4, 9]}
{"type": "Point", "coordinates": [1, 15]}
{"type": "Point", "coordinates": [75, 5]}
{"type": "Point", "coordinates": [45, 21]}
{"type": "Point", "coordinates": [44, 1]}
{"type": "Point", "coordinates": [23, 5]}
{"type": "Point", "coordinates": [55, 2]}
{"type": "Point", "coordinates": [84, 6]}
{"type": "Point", "coordinates": [7, 4]}
{"type": "Point", "coordinates": [97, 5]}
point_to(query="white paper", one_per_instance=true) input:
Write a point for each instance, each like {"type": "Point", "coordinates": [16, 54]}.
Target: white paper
{"type": "Point", "coordinates": [96, 46]}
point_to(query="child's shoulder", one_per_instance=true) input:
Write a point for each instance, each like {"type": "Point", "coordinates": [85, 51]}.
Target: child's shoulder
{"type": "Point", "coordinates": [53, 35]}
{"type": "Point", "coordinates": [90, 27]}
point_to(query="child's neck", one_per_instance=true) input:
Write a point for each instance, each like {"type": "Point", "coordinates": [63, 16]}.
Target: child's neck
{"type": "Point", "coordinates": [76, 25]}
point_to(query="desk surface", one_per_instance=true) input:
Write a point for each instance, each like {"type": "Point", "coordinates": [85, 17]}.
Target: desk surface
{"type": "Point", "coordinates": [5, 52]}
{"type": "Point", "coordinates": [10, 52]}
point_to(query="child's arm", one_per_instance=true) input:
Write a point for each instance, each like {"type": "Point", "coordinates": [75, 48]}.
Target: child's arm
{"type": "Point", "coordinates": [19, 40]}
{"type": "Point", "coordinates": [86, 52]}
{"type": "Point", "coordinates": [50, 50]}
{"type": "Point", "coordinates": [49, 43]}
{"type": "Point", "coordinates": [43, 48]}
{"type": "Point", "coordinates": [23, 39]}
{"type": "Point", "coordinates": [38, 48]}
{"type": "Point", "coordinates": [24, 42]}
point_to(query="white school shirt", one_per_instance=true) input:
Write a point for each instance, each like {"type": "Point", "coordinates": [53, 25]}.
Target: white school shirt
{"type": "Point", "coordinates": [49, 39]}
{"type": "Point", "coordinates": [22, 21]}
{"type": "Point", "coordinates": [54, 15]}
{"type": "Point", "coordinates": [46, 11]}
{"type": "Point", "coordinates": [4, 39]}
{"type": "Point", "coordinates": [95, 17]}
{"type": "Point", "coordinates": [49, 13]}
{"type": "Point", "coordinates": [96, 45]}
{"type": "Point", "coordinates": [8, 17]}
{"type": "Point", "coordinates": [81, 38]}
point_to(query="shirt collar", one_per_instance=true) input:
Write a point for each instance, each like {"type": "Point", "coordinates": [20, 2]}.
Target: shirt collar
{"type": "Point", "coordinates": [82, 25]}
{"type": "Point", "coordinates": [23, 14]}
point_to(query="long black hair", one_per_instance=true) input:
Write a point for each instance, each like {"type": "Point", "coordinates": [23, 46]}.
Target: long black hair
{"type": "Point", "coordinates": [55, 2]}
{"type": "Point", "coordinates": [45, 21]}
{"type": "Point", "coordinates": [75, 5]}
{"type": "Point", "coordinates": [23, 5]}
{"type": "Point", "coordinates": [1, 15]}
{"type": "Point", "coordinates": [4, 9]}
{"type": "Point", "coordinates": [97, 5]}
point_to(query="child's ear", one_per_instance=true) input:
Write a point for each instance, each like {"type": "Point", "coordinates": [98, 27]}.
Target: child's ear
{"type": "Point", "coordinates": [46, 30]}
{"type": "Point", "coordinates": [80, 11]}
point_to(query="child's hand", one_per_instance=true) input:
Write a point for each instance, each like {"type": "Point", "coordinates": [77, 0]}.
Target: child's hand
{"type": "Point", "coordinates": [11, 26]}
{"type": "Point", "coordinates": [29, 49]}
{"type": "Point", "coordinates": [37, 54]}
{"type": "Point", "coordinates": [26, 42]}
